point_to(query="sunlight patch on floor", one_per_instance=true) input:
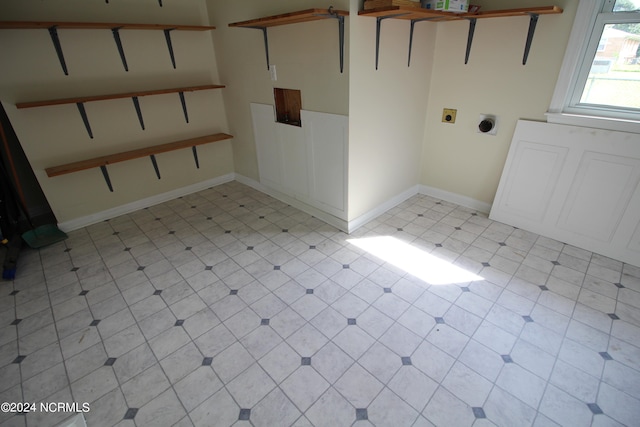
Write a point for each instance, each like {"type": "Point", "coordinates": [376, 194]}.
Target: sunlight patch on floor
{"type": "Point", "coordinates": [415, 261]}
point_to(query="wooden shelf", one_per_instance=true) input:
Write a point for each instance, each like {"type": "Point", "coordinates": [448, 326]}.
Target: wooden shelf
{"type": "Point", "coordinates": [16, 25]}
{"type": "Point", "coordinates": [79, 101]}
{"type": "Point", "coordinates": [103, 161]}
{"type": "Point", "coordinates": [409, 13]}
{"type": "Point", "coordinates": [306, 15]}
{"type": "Point", "coordinates": [289, 18]}
{"type": "Point", "coordinates": [54, 26]}
{"type": "Point", "coordinates": [83, 99]}
{"type": "Point", "coordinates": [418, 14]}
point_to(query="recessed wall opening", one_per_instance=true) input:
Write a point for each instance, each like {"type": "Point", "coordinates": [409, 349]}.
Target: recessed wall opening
{"type": "Point", "coordinates": [288, 105]}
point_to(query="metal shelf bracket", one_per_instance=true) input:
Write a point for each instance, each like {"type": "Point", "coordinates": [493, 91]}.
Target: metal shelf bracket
{"type": "Point", "coordinates": [136, 104]}
{"type": "Point", "coordinates": [413, 23]}
{"type": "Point", "coordinates": [472, 29]}
{"type": "Point", "coordinates": [533, 20]}
{"type": "Point", "coordinates": [53, 32]}
{"type": "Point", "coordinates": [184, 106]}
{"type": "Point", "coordinates": [167, 36]}
{"type": "Point", "coordinates": [155, 165]}
{"type": "Point", "coordinates": [105, 175]}
{"type": "Point", "coordinates": [116, 37]}
{"type": "Point", "coordinates": [195, 156]}
{"type": "Point", "coordinates": [85, 119]}
{"type": "Point", "coordinates": [379, 20]}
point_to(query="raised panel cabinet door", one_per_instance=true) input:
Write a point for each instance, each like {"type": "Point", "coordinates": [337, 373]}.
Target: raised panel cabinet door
{"type": "Point", "coordinates": [327, 135]}
{"type": "Point", "coordinates": [267, 145]}
{"type": "Point", "coordinates": [295, 179]}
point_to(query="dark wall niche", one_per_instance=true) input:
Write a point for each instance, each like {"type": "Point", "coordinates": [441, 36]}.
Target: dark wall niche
{"type": "Point", "coordinates": [288, 106]}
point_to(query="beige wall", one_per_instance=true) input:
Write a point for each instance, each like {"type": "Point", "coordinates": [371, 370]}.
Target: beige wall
{"type": "Point", "coordinates": [305, 55]}
{"type": "Point", "coordinates": [456, 158]}
{"type": "Point", "coordinates": [387, 109]}
{"type": "Point", "coordinates": [52, 136]}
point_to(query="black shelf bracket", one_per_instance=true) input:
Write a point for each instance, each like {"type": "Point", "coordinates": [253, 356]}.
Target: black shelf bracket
{"type": "Point", "coordinates": [533, 21]}
{"type": "Point", "coordinates": [116, 37]}
{"type": "Point", "coordinates": [85, 119]}
{"type": "Point", "coordinates": [167, 36]}
{"type": "Point", "coordinates": [155, 165]}
{"type": "Point", "coordinates": [332, 14]}
{"type": "Point", "coordinates": [105, 174]}
{"type": "Point", "coordinates": [195, 156]}
{"type": "Point", "coordinates": [136, 104]}
{"type": "Point", "coordinates": [53, 32]}
{"type": "Point", "coordinates": [184, 106]}
{"type": "Point", "coordinates": [472, 29]}
{"type": "Point", "coordinates": [379, 20]}
{"type": "Point", "coordinates": [413, 23]}
{"type": "Point", "coordinates": [266, 42]}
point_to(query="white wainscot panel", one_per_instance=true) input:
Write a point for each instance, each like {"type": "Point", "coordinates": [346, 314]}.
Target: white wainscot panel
{"type": "Point", "coordinates": [267, 145]}
{"type": "Point", "coordinates": [580, 186]}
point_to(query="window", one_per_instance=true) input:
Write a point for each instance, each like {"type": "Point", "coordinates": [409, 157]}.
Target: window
{"type": "Point", "coordinates": [599, 84]}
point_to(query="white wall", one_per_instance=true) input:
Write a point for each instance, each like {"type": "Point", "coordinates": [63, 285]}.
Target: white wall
{"type": "Point", "coordinates": [305, 55]}
{"type": "Point", "coordinates": [456, 158]}
{"type": "Point", "coordinates": [51, 136]}
{"type": "Point", "coordinates": [386, 110]}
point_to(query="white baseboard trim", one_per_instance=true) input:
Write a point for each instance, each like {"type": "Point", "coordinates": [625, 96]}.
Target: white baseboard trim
{"type": "Point", "coordinates": [380, 209]}
{"type": "Point", "coordinates": [339, 223]}
{"type": "Point", "coordinates": [85, 221]}
{"type": "Point", "coordinates": [458, 199]}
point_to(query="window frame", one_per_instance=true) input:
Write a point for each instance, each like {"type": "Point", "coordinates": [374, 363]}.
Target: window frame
{"type": "Point", "coordinates": [590, 15]}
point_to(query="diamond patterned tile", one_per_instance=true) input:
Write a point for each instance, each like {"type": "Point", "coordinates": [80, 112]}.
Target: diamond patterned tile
{"type": "Point", "coordinates": [203, 308]}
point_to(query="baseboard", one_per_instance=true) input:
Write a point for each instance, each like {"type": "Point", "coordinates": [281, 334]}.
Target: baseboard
{"type": "Point", "coordinates": [380, 209]}
{"type": "Point", "coordinates": [84, 221]}
{"type": "Point", "coordinates": [458, 199]}
{"type": "Point", "coordinates": [339, 223]}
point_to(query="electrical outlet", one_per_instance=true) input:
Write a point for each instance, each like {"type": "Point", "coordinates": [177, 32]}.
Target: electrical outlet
{"type": "Point", "coordinates": [449, 115]}
{"type": "Point", "coordinates": [272, 71]}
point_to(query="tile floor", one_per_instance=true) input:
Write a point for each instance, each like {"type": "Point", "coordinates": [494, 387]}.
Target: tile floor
{"type": "Point", "coordinates": [228, 307]}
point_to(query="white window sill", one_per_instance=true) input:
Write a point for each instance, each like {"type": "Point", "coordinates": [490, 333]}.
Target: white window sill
{"type": "Point", "coordinates": [594, 122]}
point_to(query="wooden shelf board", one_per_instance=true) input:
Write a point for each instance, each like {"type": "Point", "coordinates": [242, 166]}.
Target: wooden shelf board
{"type": "Point", "coordinates": [34, 104]}
{"type": "Point", "coordinates": [408, 12]}
{"type": "Point", "coordinates": [8, 25]}
{"type": "Point", "coordinates": [134, 154]}
{"type": "Point", "coordinates": [289, 18]}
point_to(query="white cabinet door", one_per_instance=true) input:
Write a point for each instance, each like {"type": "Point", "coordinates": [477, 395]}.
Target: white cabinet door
{"type": "Point", "coordinates": [267, 145]}
{"type": "Point", "coordinates": [308, 163]}
{"type": "Point", "coordinates": [327, 135]}
{"type": "Point", "coordinates": [577, 185]}
{"type": "Point", "coordinates": [293, 146]}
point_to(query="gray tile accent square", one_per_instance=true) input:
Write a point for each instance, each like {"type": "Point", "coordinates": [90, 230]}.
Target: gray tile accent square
{"type": "Point", "coordinates": [130, 414]}
{"type": "Point", "coordinates": [351, 321]}
{"type": "Point", "coordinates": [157, 292]}
{"type": "Point", "coordinates": [544, 288]}
{"type": "Point", "coordinates": [594, 408]}
{"type": "Point", "coordinates": [387, 290]}
{"type": "Point", "coordinates": [244, 415]}
{"type": "Point", "coordinates": [613, 316]}
{"type": "Point", "coordinates": [345, 266]}
{"type": "Point", "coordinates": [312, 246]}
{"type": "Point", "coordinates": [141, 268]}
{"type": "Point", "coordinates": [13, 293]}
{"type": "Point", "coordinates": [486, 264]}
{"type": "Point", "coordinates": [478, 412]}
{"type": "Point", "coordinates": [264, 322]}
{"type": "Point", "coordinates": [438, 245]}
{"type": "Point", "coordinates": [605, 355]}
{"type": "Point", "coordinates": [555, 263]}
{"type": "Point", "coordinates": [502, 244]}
{"type": "Point", "coordinates": [276, 267]}
{"type": "Point", "coordinates": [465, 289]}
{"type": "Point", "coordinates": [19, 359]}
{"type": "Point", "coordinates": [527, 319]}
{"type": "Point", "coordinates": [305, 361]}
{"type": "Point", "coordinates": [179, 322]}
{"type": "Point", "coordinates": [309, 291]}
{"type": "Point", "coordinates": [439, 320]}
{"type": "Point", "coordinates": [506, 358]}
{"type": "Point", "coordinates": [249, 248]}
{"type": "Point", "coordinates": [233, 292]}
{"type": "Point", "coordinates": [207, 361]}
{"type": "Point", "coordinates": [110, 361]}
{"type": "Point", "coordinates": [619, 285]}
{"type": "Point", "coordinates": [406, 360]}
{"type": "Point", "coordinates": [208, 268]}
{"type": "Point", "coordinates": [83, 293]}
{"type": "Point", "coordinates": [361, 414]}
{"type": "Point", "coordinates": [95, 322]}
{"type": "Point", "coordinates": [15, 322]}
